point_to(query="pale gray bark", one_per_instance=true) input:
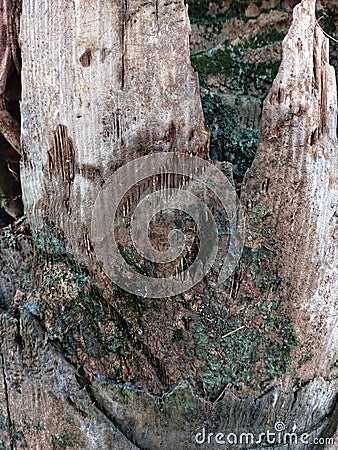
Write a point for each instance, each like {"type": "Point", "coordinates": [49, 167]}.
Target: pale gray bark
{"type": "Point", "coordinates": [295, 180]}
{"type": "Point", "coordinates": [88, 71]}
{"type": "Point", "coordinates": [117, 78]}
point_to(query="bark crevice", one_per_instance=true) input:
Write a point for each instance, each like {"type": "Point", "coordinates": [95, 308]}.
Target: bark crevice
{"type": "Point", "coordinates": [8, 407]}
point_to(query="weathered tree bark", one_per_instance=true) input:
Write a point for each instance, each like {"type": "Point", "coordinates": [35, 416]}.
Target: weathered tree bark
{"type": "Point", "coordinates": [100, 69]}
{"type": "Point", "coordinates": [86, 365]}
{"type": "Point", "coordinates": [294, 183]}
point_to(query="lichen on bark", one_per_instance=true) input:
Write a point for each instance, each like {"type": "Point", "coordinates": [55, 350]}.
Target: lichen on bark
{"type": "Point", "coordinates": [114, 370]}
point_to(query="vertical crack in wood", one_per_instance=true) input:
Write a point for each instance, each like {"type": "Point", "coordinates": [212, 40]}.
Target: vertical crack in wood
{"type": "Point", "coordinates": [9, 419]}
{"type": "Point", "coordinates": [87, 244]}
{"type": "Point", "coordinates": [316, 63]}
{"type": "Point", "coordinates": [323, 97]}
{"type": "Point", "coordinates": [123, 40]}
{"type": "Point", "coordinates": [156, 9]}
{"type": "Point", "coordinates": [61, 158]}
{"type": "Point", "coordinates": [320, 80]}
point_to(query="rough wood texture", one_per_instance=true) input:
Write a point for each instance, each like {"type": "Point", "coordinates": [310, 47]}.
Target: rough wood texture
{"type": "Point", "coordinates": [97, 71]}
{"type": "Point", "coordinates": [9, 59]}
{"type": "Point", "coordinates": [54, 362]}
{"type": "Point", "coordinates": [44, 403]}
{"type": "Point", "coordinates": [294, 183]}
{"type": "Point", "coordinates": [48, 403]}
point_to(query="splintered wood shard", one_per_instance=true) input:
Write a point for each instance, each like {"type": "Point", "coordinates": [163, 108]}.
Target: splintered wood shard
{"type": "Point", "coordinates": [299, 201]}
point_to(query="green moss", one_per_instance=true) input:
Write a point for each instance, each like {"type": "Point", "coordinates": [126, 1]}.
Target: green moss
{"type": "Point", "coordinates": [261, 40]}
{"type": "Point", "coordinates": [3, 422]}
{"type": "Point", "coordinates": [86, 323]}
{"type": "Point", "coordinates": [235, 72]}
{"type": "Point", "coordinates": [17, 435]}
{"type": "Point", "coordinates": [10, 238]}
{"type": "Point", "coordinates": [95, 327]}
{"type": "Point", "coordinates": [178, 401]}
{"type": "Point", "coordinates": [50, 241]}
{"type": "Point", "coordinates": [229, 140]}
{"type": "Point", "coordinates": [64, 440]}
{"type": "Point", "coordinates": [178, 335]}
{"type": "Point", "coordinates": [231, 357]}
{"type": "Point", "coordinates": [215, 61]}
{"type": "Point", "coordinates": [246, 341]}
{"type": "Point", "coordinates": [234, 139]}
{"type": "Point", "coordinates": [199, 10]}
{"type": "Point", "coordinates": [326, 21]}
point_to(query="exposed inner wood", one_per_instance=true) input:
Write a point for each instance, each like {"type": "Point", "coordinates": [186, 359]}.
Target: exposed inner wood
{"type": "Point", "coordinates": [87, 365]}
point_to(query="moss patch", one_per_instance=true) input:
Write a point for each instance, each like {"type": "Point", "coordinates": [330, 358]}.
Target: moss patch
{"type": "Point", "coordinates": [199, 10]}
{"type": "Point", "coordinates": [64, 440]}
{"type": "Point", "coordinates": [93, 329]}
{"type": "Point", "coordinates": [233, 89]}
{"type": "Point", "coordinates": [230, 141]}
{"type": "Point", "coordinates": [235, 72]}
{"type": "Point", "coordinates": [249, 342]}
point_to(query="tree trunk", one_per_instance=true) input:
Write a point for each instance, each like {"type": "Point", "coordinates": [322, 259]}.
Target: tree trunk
{"type": "Point", "coordinates": [86, 364]}
{"type": "Point", "coordinates": [101, 93]}
{"type": "Point", "coordinates": [293, 183]}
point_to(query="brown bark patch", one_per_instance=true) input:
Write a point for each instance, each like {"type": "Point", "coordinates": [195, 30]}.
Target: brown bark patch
{"type": "Point", "coordinates": [86, 58]}
{"type": "Point", "coordinates": [61, 157]}
{"type": "Point", "coordinates": [61, 161]}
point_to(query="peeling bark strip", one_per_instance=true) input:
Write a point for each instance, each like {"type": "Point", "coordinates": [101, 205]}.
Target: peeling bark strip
{"type": "Point", "coordinates": [61, 165]}
{"type": "Point", "coordinates": [61, 157]}
{"type": "Point", "coordinates": [10, 192]}
{"type": "Point", "coordinates": [10, 129]}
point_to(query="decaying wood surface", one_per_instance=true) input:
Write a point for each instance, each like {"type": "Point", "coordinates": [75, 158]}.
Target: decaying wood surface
{"type": "Point", "coordinates": [97, 71]}
{"type": "Point", "coordinates": [295, 180]}
{"type": "Point", "coordinates": [85, 79]}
